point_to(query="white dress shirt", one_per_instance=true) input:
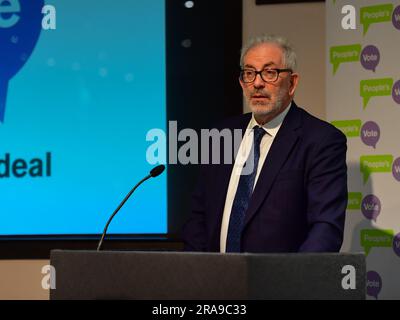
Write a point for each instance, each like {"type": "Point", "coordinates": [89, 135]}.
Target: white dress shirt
{"type": "Point", "coordinates": [272, 129]}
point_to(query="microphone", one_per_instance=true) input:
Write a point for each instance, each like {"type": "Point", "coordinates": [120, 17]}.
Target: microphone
{"type": "Point", "coordinates": [157, 171]}
{"type": "Point", "coordinates": [153, 173]}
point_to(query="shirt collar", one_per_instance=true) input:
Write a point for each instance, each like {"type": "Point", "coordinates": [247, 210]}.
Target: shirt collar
{"type": "Point", "coordinates": [272, 127]}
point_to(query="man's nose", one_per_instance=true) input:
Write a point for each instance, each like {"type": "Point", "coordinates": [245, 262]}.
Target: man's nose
{"type": "Point", "coordinates": [258, 82]}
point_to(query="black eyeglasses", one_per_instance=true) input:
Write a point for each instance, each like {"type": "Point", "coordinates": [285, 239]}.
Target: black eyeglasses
{"type": "Point", "coordinates": [267, 75]}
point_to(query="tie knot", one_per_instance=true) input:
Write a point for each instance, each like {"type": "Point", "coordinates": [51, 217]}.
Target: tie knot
{"type": "Point", "coordinates": [258, 134]}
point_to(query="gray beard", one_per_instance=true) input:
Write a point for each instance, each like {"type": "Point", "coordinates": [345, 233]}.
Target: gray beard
{"type": "Point", "coordinates": [265, 110]}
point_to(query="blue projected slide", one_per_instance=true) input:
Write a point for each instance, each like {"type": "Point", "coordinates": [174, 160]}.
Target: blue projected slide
{"type": "Point", "coordinates": [76, 103]}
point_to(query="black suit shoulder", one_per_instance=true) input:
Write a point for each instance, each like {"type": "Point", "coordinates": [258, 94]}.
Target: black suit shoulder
{"type": "Point", "coordinates": [316, 129]}
{"type": "Point", "coordinates": [234, 122]}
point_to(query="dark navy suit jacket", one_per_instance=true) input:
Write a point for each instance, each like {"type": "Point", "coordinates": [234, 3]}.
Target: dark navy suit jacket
{"type": "Point", "coordinates": [299, 201]}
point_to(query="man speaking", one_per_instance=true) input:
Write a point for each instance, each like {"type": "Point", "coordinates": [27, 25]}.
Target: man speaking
{"type": "Point", "coordinates": [295, 198]}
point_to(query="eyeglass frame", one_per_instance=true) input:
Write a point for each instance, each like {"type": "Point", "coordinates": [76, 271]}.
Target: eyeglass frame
{"type": "Point", "coordinates": [278, 72]}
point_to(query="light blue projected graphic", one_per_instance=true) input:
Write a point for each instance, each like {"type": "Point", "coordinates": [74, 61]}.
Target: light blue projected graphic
{"type": "Point", "coordinates": [73, 141]}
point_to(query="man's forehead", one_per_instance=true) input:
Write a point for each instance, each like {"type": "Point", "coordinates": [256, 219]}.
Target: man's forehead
{"type": "Point", "coordinates": [265, 54]}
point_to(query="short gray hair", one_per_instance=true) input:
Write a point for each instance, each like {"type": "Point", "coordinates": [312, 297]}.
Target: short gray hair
{"type": "Point", "coordinates": [289, 55]}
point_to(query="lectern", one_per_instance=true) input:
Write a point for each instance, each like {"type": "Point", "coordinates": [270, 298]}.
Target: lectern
{"type": "Point", "coordinates": [206, 276]}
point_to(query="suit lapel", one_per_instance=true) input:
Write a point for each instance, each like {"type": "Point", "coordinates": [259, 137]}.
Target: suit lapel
{"type": "Point", "coordinates": [280, 149]}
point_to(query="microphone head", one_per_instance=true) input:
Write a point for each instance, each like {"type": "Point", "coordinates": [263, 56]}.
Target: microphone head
{"type": "Point", "coordinates": [157, 170]}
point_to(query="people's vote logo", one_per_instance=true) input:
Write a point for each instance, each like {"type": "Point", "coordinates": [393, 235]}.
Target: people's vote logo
{"type": "Point", "coordinates": [20, 27]}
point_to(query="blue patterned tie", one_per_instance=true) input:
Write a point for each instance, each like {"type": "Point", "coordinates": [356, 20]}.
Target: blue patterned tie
{"type": "Point", "coordinates": [243, 194]}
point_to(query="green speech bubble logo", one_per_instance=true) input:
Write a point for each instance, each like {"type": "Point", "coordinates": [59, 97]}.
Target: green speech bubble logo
{"type": "Point", "coordinates": [375, 14]}
{"type": "Point", "coordinates": [375, 88]}
{"type": "Point", "coordinates": [351, 128]}
{"type": "Point", "coordinates": [379, 163]}
{"type": "Point", "coordinates": [354, 200]}
{"type": "Point", "coordinates": [341, 54]}
{"type": "Point", "coordinates": [376, 238]}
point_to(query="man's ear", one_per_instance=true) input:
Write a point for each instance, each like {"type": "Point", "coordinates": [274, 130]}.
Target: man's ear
{"type": "Point", "coordinates": [294, 80]}
{"type": "Point", "coordinates": [241, 83]}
